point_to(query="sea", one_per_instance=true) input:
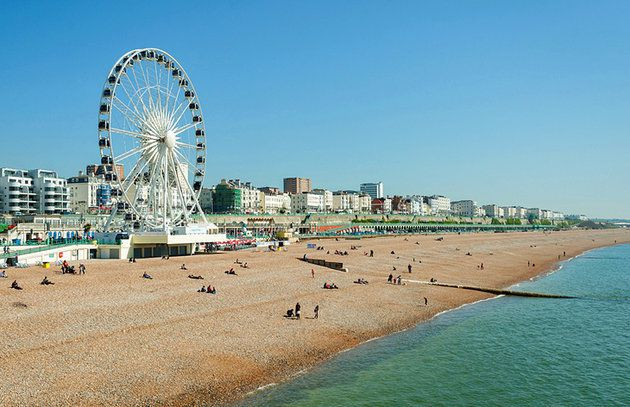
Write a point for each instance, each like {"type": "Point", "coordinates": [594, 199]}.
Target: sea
{"type": "Point", "coordinates": [503, 351]}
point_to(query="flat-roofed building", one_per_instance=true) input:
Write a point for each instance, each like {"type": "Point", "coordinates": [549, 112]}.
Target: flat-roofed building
{"type": "Point", "coordinates": [297, 185]}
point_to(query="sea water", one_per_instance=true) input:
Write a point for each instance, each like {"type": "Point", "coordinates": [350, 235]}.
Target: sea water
{"type": "Point", "coordinates": [504, 351]}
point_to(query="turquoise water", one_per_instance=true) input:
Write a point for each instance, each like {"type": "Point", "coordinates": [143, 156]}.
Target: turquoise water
{"type": "Point", "coordinates": [509, 350]}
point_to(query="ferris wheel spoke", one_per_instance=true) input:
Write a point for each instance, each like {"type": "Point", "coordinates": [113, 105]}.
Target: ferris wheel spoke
{"type": "Point", "coordinates": [136, 121]}
{"type": "Point", "coordinates": [132, 152]}
{"type": "Point", "coordinates": [179, 186]}
{"type": "Point", "coordinates": [185, 159]}
{"type": "Point", "coordinates": [135, 107]}
{"type": "Point", "coordinates": [181, 109]}
{"type": "Point", "coordinates": [185, 145]}
{"type": "Point", "coordinates": [184, 128]}
{"type": "Point", "coordinates": [137, 92]}
{"type": "Point", "coordinates": [141, 136]}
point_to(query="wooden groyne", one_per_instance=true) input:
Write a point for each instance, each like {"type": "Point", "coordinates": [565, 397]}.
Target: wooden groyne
{"type": "Point", "coordinates": [324, 263]}
{"type": "Point", "coordinates": [496, 291]}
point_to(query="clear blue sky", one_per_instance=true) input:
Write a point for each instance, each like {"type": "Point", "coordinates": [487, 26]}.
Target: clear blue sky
{"type": "Point", "coordinates": [508, 102]}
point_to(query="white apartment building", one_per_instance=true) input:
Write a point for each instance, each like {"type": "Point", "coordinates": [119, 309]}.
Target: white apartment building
{"type": "Point", "coordinates": [205, 199]}
{"type": "Point", "coordinates": [16, 192]}
{"type": "Point", "coordinates": [440, 205]}
{"type": "Point", "coordinates": [33, 191]}
{"type": "Point", "coordinates": [346, 202]}
{"type": "Point", "coordinates": [373, 189]}
{"type": "Point", "coordinates": [274, 203]}
{"type": "Point", "coordinates": [466, 208]}
{"type": "Point", "coordinates": [328, 198]}
{"type": "Point", "coordinates": [250, 196]}
{"type": "Point", "coordinates": [307, 202]}
{"type": "Point", "coordinates": [521, 212]}
{"type": "Point", "coordinates": [365, 203]}
{"type": "Point", "coordinates": [535, 213]}
{"type": "Point", "coordinates": [509, 211]}
{"type": "Point", "coordinates": [51, 192]}
{"type": "Point", "coordinates": [492, 211]}
{"type": "Point", "coordinates": [86, 192]}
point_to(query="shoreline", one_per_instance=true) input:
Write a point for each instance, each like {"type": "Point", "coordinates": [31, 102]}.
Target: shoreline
{"type": "Point", "coordinates": [111, 337]}
{"type": "Point", "coordinates": [557, 266]}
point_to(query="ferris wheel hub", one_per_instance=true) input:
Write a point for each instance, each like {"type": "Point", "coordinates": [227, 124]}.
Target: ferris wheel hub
{"type": "Point", "coordinates": [170, 139]}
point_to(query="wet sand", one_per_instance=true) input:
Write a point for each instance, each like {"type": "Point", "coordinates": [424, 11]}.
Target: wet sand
{"type": "Point", "coordinates": [113, 338]}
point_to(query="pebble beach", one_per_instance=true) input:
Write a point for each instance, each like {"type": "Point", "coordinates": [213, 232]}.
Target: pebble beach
{"type": "Point", "coordinates": [111, 337]}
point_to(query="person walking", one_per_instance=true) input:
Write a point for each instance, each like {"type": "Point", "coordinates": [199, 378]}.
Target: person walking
{"type": "Point", "coordinates": [316, 311]}
{"type": "Point", "coordinates": [81, 268]}
{"type": "Point", "coordinates": [409, 268]}
{"type": "Point", "coordinates": [426, 302]}
{"type": "Point", "coordinates": [298, 310]}
{"type": "Point", "coordinates": [312, 273]}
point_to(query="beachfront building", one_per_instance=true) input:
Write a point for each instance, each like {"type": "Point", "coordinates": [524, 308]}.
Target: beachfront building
{"type": "Point", "coordinates": [16, 192]}
{"type": "Point", "coordinates": [492, 211]}
{"type": "Point", "coordinates": [509, 212]}
{"type": "Point", "coordinates": [226, 198]}
{"type": "Point", "coordinates": [88, 194]}
{"type": "Point", "coordinates": [365, 203]}
{"type": "Point", "coordinates": [297, 185]}
{"type": "Point", "coordinates": [25, 192]}
{"type": "Point", "coordinates": [307, 202]}
{"type": "Point", "coordinates": [276, 203]}
{"type": "Point", "coordinates": [521, 212]}
{"type": "Point", "coordinates": [328, 198]}
{"type": "Point", "coordinates": [235, 196]}
{"type": "Point", "coordinates": [205, 200]}
{"type": "Point", "coordinates": [535, 213]}
{"type": "Point", "coordinates": [373, 189]}
{"type": "Point", "coordinates": [466, 208]}
{"type": "Point", "coordinates": [440, 205]}
{"type": "Point", "coordinates": [346, 201]}
{"type": "Point", "coordinates": [51, 192]}
{"type": "Point", "coordinates": [381, 205]}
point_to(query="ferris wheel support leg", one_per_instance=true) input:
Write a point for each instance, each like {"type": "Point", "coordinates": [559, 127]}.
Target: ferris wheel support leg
{"type": "Point", "coordinates": [111, 217]}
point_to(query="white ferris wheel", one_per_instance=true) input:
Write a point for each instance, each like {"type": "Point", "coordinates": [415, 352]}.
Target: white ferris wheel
{"type": "Point", "coordinates": [150, 123]}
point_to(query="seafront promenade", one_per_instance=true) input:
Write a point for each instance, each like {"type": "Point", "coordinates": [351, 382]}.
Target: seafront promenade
{"type": "Point", "coordinates": [112, 337]}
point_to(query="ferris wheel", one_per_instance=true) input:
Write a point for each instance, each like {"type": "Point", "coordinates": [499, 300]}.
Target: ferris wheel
{"type": "Point", "coordinates": [151, 128]}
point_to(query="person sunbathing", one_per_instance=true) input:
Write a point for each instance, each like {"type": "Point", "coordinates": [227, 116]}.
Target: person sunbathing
{"type": "Point", "coordinates": [212, 290]}
{"type": "Point", "coordinates": [202, 289]}
{"type": "Point", "coordinates": [46, 281]}
{"type": "Point", "coordinates": [15, 285]}
{"type": "Point", "coordinates": [231, 272]}
{"type": "Point", "coordinates": [195, 277]}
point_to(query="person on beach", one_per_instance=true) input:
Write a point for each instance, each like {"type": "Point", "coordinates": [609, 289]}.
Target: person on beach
{"type": "Point", "coordinates": [46, 281]}
{"type": "Point", "coordinates": [298, 310]}
{"type": "Point", "coordinates": [390, 278]}
{"type": "Point", "coordinates": [316, 311]}
{"type": "Point", "coordinates": [3, 274]}
{"type": "Point", "coordinates": [202, 289]}
{"type": "Point", "coordinates": [426, 302]}
{"type": "Point", "coordinates": [529, 263]}
{"type": "Point", "coordinates": [399, 280]}
{"type": "Point", "coordinates": [312, 273]}
{"type": "Point", "coordinates": [409, 267]}
{"type": "Point", "coordinates": [15, 285]}
{"type": "Point", "coordinates": [183, 267]}
{"type": "Point", "coordinates": [212, 289]}
{"type": "Point", "coordinates": [81, 268]}
{"type": "Point", "coordinates": [482, 266]}
{"type": "Point", "coordinates": [147, 276]}
{"type": "Point", "coordinates": [371, 253]}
